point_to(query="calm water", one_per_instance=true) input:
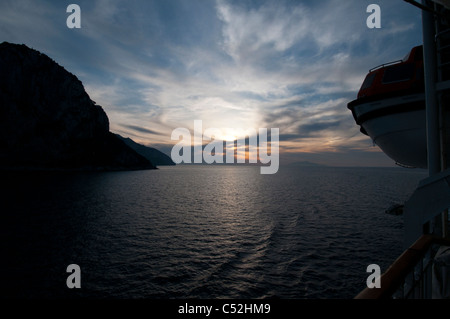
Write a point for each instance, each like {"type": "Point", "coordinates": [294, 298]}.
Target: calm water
{"type": "Point", "coordinates": [200, 231]}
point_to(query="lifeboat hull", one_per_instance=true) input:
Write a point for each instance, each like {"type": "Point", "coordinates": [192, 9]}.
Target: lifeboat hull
{"type": "Point", "coordinates": [397, 125]}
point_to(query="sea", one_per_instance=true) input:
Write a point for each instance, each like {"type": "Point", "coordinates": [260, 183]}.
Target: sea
{"type": "Point", "coordinates": [200, 231]}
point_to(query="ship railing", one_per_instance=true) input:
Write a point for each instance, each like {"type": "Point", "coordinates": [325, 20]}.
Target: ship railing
{"type": "Point", "coordinates": [385, 65]}
{"type": "Point", "coordinates": [411, 275]}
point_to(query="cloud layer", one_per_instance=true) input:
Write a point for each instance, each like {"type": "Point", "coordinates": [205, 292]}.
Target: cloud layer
{"type": "Point", "coordinates": [158, 65]}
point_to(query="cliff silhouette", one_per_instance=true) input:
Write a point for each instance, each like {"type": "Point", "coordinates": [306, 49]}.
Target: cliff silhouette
{"type": "Point", "coordinates": [48, 121]}
{"type": "Point", "coordinates": [155, 156]}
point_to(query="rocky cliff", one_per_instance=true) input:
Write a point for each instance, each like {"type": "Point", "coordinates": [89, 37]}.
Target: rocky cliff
{"type": "Point", "coordinates": [47, 119]}
{"type": "Point", "coordinates": [155, 156]}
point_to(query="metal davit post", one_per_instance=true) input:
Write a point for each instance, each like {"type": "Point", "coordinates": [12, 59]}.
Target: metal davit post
{"type": "Point", "coordinates": [434, 151]}
{"type": "Point", "coordinates": [432, 106]}
{"type": "Point", "coordinates": [423, 210]}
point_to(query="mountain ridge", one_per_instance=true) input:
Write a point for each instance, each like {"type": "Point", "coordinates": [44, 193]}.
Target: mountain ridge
{"type": "Point", "coordinates": [48, 121]}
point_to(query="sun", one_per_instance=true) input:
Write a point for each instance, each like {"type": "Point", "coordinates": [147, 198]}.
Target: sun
{"type": "Point", "coordinates": [229, 135]}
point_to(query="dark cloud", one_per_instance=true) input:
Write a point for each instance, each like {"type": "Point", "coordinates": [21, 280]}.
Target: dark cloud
{"type": "Point", "coordinates": [140, 129]}
{"type": "Point", "coordinates": [288, 137]}
{"type": "Point", "coordinates": [311, 129]}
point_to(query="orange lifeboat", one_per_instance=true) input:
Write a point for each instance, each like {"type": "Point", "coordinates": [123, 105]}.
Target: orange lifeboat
{"type": "Point", "coordinates": [390, 108]}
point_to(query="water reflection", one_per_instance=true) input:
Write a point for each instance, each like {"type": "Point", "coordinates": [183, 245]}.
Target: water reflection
{"type": "Point", "coordinates": [198, 231]}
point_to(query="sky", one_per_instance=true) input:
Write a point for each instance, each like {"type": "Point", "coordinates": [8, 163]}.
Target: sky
{"type": "Point", "coordinates": [158, 65]}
